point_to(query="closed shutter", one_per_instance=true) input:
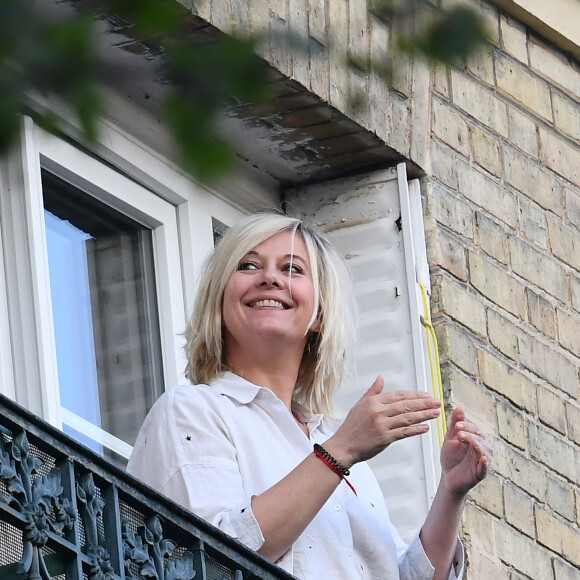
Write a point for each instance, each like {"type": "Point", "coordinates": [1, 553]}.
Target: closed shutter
{"type": "Point", "coordinates": [371, 220]}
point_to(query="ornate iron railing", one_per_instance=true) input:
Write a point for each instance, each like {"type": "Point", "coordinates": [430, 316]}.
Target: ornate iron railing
{"type": "Point", "coordinates": [68, 514]}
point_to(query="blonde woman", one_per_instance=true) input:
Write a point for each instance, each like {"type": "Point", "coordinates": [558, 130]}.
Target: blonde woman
{"type": "Point", "coordinates": [246, 446]}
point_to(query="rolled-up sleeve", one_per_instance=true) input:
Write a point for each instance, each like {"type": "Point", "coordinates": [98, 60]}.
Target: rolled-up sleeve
{"type": "Point", "coordinates": [414, 564]}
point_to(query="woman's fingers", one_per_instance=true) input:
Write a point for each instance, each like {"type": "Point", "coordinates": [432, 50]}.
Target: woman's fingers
{"type": "Point", "coordinates": [402, 403]}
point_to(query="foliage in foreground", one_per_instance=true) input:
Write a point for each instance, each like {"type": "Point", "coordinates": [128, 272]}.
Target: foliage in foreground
{"type": "Point", "coordinates": [40, 54]}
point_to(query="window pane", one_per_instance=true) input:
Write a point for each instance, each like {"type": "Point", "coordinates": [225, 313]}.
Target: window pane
{"type": "Point", "coordinates": [105, 311]}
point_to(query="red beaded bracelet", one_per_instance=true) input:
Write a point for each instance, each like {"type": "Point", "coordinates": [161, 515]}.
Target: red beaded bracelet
{"type": "Point", "coordinates": [329, 460]}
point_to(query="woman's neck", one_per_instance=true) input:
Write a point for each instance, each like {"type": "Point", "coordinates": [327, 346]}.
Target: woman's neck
{"type": "Point", "coordinates": [277, 371]}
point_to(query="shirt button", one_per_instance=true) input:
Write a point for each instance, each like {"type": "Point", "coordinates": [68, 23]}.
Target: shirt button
{"type": "Point", "coordinates": [337, 507]}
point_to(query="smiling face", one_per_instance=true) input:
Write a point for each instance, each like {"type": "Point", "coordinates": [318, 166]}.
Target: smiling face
{"type": "Point", "coordinates": [270, 298]}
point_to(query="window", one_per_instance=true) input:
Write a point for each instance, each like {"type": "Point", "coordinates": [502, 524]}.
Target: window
{"type": "Point", "coordinates": [104, 304]}
{"type": "Point", "coordinates": [99, 261]}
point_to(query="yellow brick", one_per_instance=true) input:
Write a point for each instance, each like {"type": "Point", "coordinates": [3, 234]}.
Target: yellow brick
{"type": "Point", "coordinates": [526, 88]}
{"type": "Point", "coordinates": [496, 284]}
{"type": "Point", "coordinates": [539, 185]}
{"type": "Point", "coordinates": [541, 314]}
{"type": "Point", "coordinates": [512, 425]}
{"type": "Point", "coordinates": [505, 380]}
{"type": "Point", "coordinates": [556, 452]}
{"type": "Point", "coordinates": [519, 510]}
{"type": "Point", "coordinates": [533, 224]}
{"type": "Point", "coordinates": [317, 21]}
{"type": "Point", "coordinates": [566, 116]}
{"type": "Point", "coordinates": [523, 553]}
{"type": "Point", "coordinates": [399, 135]}
{"type": "Point", "coordinates": [441, 82]}
{"type": "Point", "coordinates": [456, 345]}
{"type": "Point", "coordinates": [519, 469]}
{"type": "Point", "coordinates": [485, 567]}
{"type": "Point", "coordinates": [572, 196]}
{"type": "Point", "coordinates": [463, 306]}
{"type": "Point", "coordinates": [338, 27]}
{"type": "Point", "coordinates": [450, 127]}
{"type": "Point", "coordinates": [477, 401]}
{"type": "Point", "coordinates": [573, 419]}
{"type": "Point", "coordinates": [575, 291]}
{"type": "Point", "coordinates": [378, 89]}
{"type": "Point", "coordinates": [539, 268]}
{"type": "Point", "coordinates": [569, 331]}
{"type": "Point", "coordinates": [492, 238]}
{"type": "Point", "coordinates": [506, 342]}
{"type": "Point", "coordinates": [450, 255]}
{"type": "Point", "coordinates": [489, 495]}
{"type": "Point", "coordinates": [452, 211]}
{"type": "Point", "coordinates": [554, 66]}
{"type": "Point", "coordinates": [558, 535]}
{"type": "Point", "coordinates": [319, 70]}
{"type": "Point", "coordinates": [514, 39]}
{"type": "Point", "coordinates": [561, 497]}
{"type": "Point", "coordinates": [565, 242]}
{"type": "Point", "coordinates": [547, 361]}
{"type": "Point", "coordinates": [479, 528]}
{"type": "Point", "coordinates": [564, 571]}
{"type": "Point", "coordinates": [441, 167]}
{"type": "Point", "coordinates": [481, 64]}
{"type": "Point", "coordinates": [523, 132]}
{"type": "Point", "coordinates": [551, 409]}
{"type": "Point", "coordinates": [486, 150]}
{"type": "Point", "coordinates": [487, 193]}
{"type": "Point", "coordinates": [560, 156]}
{"type": "Point", "coordinates": [240, 16]}
{"type": "Point", "coordinates": [479, 102]}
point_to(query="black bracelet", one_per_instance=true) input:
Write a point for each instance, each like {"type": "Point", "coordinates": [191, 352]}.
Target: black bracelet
{"type": "Point", "coordinates": [345, 471]}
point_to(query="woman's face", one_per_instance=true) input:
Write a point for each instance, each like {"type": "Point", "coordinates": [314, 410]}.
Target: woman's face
{"type": "Point", "coordinates": [270, 296]}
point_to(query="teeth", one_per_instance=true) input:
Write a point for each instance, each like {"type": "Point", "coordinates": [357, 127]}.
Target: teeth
{"type": "Point", "coordinates": [270, 303]}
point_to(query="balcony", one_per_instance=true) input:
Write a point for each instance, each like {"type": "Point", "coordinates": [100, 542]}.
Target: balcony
{"type": "Point", "coordinates": [68, 514]}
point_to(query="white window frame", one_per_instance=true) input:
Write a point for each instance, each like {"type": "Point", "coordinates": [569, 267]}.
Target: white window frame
{"type": "Point", "coordinates": [141, 185]}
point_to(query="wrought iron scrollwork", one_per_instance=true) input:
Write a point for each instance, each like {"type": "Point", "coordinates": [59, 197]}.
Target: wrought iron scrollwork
{"type": "Point", "coordinates": [91, 509]}
{"type": "Point", "coordinates": [38, 499]}
{"type": "Point", "coordinates": [150, 552]}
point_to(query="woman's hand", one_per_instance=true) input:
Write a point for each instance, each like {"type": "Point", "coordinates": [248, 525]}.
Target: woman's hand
{"type": "Point", "coordinates": [379, 419]}
{"type": "Point", "coordinates": [466, 455]}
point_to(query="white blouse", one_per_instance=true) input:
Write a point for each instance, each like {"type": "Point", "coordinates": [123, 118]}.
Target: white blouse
{"type": "Point", "coordinates": [211, 448]}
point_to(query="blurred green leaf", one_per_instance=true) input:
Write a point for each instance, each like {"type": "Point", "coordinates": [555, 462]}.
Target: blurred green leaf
{"type": "Point", "coordinates": [453, 37]}
{"type": "Point", "coordinates": [39, 54]}
{"type": "Point", "coordinates": [202, 152]}
{"type": "Point", "coordinates": [150, 18]}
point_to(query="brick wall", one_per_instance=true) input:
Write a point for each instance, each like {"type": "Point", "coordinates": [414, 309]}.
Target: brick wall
{"type": "Point", "coordinates": [504, 242]}
{"type": "Point", "coordinates": [499, 141]}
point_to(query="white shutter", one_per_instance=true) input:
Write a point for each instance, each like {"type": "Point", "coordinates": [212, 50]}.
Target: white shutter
{"type": "Point", "coordinates": [369, 220]}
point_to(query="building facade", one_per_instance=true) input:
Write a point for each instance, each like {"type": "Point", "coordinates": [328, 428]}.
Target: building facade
{"type": "Point", "coordinates": [459, 180]}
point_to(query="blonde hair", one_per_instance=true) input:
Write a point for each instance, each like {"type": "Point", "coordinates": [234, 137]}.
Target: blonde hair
{"type": "Point", "coordinates": [326, 354]}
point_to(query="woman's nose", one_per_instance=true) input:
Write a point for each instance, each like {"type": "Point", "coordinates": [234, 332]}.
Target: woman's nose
{"type": "Point", "coordinates": [270, 277]}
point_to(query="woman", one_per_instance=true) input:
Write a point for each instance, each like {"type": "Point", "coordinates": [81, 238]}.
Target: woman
{"type": "Point", "coordinates": [245, 446]}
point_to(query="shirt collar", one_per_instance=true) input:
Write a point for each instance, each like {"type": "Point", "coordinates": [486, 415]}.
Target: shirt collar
{"type": "Point", "coordinates": [236, 387]}
{"type": "Point", "coordinates": [244, 392]}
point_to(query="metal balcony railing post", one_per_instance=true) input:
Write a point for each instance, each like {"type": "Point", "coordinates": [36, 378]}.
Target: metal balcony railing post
{"type": "Point", "coordinates": [111, 523]}
{"type": "Point", "coordinates": [74, 568]}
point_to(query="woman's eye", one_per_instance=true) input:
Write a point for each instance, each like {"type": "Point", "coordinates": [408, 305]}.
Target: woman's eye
{"type": "Point", "coordinates": [247, 266]}
{"type": "Point", "coordinates": [293, 268]}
